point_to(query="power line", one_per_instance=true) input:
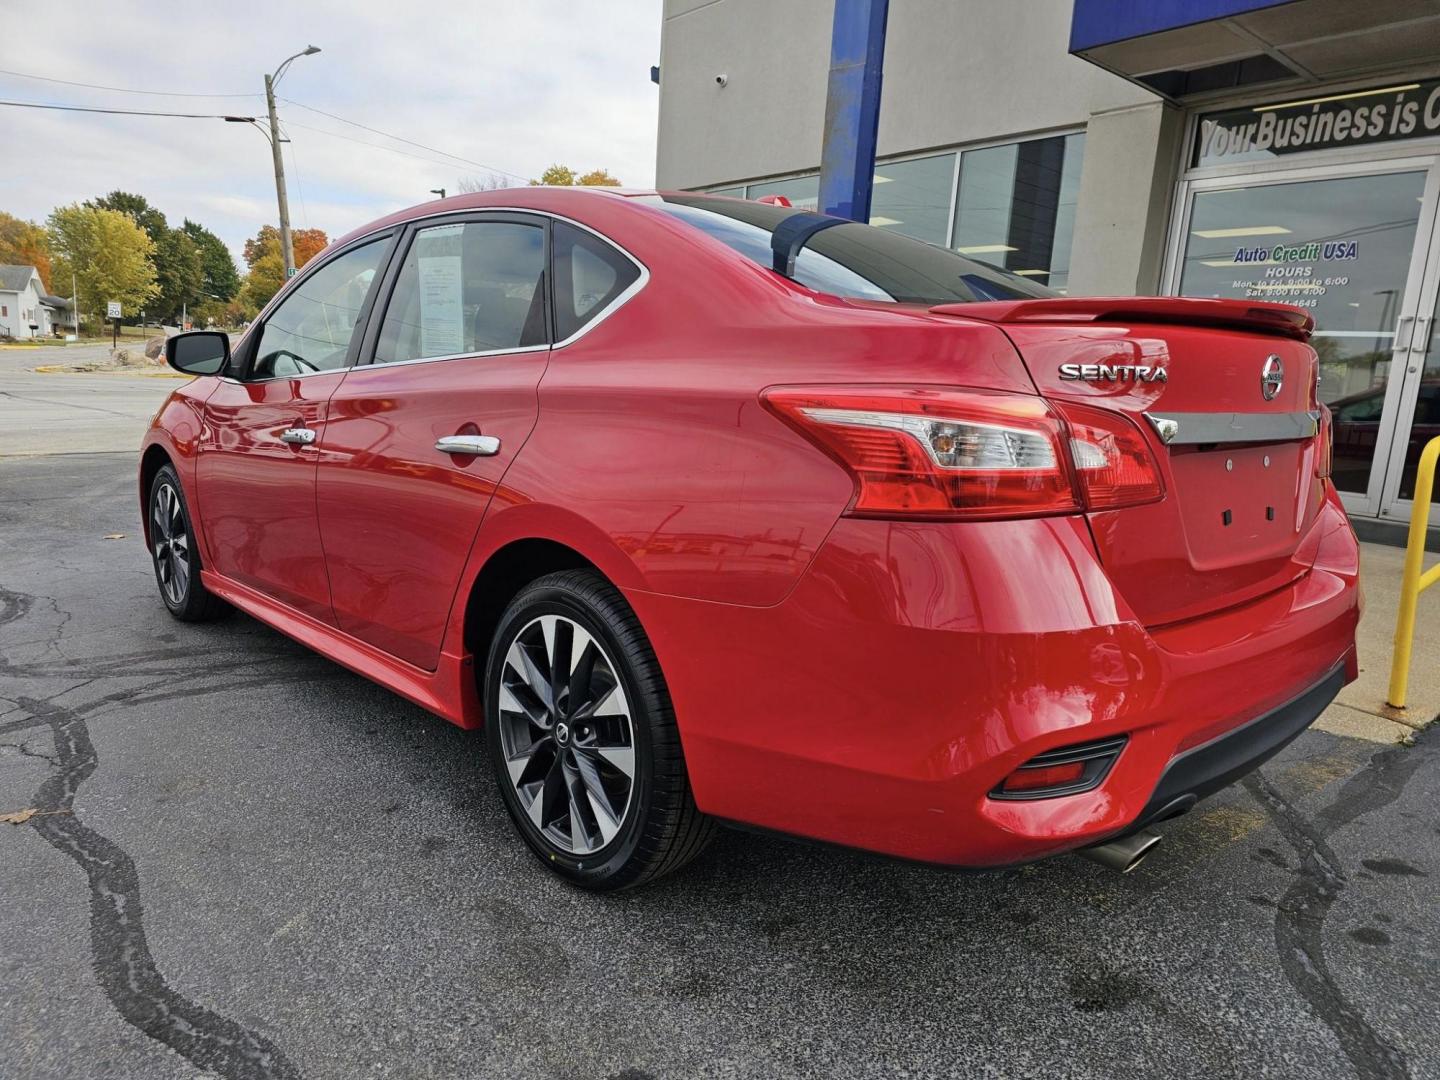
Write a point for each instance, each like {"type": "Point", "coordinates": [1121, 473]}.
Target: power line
{"type": "Point", "coordinates": [388, 149]}
{"type": "Point", "coordinates": [123, 112]}
{"type": "Point", "coordinates": [398, 138]}
{"type": "Point", "coordinates": [121, 89]}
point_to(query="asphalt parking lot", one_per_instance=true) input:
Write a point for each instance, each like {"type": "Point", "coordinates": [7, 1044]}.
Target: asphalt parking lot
{"type": "Point", "coordinates": [247, 862]}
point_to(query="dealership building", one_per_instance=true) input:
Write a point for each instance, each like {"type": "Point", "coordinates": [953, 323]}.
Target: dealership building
{"type": "Point", "coordinates": [1284, 150]}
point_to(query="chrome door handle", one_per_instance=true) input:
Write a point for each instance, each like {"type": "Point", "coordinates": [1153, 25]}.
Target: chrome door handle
{"type": "Point", "coordinates": [298, 436]}
{"type": "Point", "coordinates": [477, 445]}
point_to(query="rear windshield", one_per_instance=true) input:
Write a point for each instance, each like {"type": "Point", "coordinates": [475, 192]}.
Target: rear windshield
{"type": "Point", "coordinates": [853, 260]}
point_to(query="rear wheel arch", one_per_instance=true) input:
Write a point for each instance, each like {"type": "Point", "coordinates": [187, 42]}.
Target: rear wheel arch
{"type": "Point", "coordinates": [508, 570]}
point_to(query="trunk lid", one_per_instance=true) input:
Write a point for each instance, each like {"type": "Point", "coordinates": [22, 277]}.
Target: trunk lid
{"type": "Point", "coordinates": [1240, 469]}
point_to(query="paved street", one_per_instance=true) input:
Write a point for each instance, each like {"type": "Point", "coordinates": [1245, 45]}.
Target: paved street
{"type": "Point", "coordinates": [250, 863]}
{"type": "Point", "coordinates": [72, 413]}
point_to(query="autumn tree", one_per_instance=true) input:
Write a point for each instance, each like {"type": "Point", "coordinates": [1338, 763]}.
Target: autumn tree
{"type": "Point", "coordinates": [556, 176]}
{"type": "Point", "coordinates": [23, 243]}
{"type": "Point", "coordinates": [564, 176]}
{"type": "Point", "coordinates": [267, 263]}
{"type": "Point", "coordinates": [108, 253]}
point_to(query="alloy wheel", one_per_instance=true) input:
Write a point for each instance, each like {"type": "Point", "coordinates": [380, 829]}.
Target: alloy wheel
{"type": "Point", "coordinates": [170, 542]}
{"type": "Point", "coordinates": [566, 734]}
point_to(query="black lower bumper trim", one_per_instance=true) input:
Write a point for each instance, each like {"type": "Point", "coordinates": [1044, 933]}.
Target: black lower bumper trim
{"type": "Point", "coordinates": [1207, 768]}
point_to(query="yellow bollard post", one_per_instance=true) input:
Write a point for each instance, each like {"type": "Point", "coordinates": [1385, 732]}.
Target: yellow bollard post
{"type": "Point", "coordinates": [1412, 582]}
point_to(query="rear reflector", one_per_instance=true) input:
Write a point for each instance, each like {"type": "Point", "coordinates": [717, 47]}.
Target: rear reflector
{"type": "Point", "coordinates": [945, 454]}
{"type": "Point", "coordinates": [1038, 777]}
{"type": "Point", "coordinates": [1068, 770]}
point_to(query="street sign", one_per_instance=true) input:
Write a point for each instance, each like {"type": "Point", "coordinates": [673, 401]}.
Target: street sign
{"type": "Point", "coordinates": [112, 309]}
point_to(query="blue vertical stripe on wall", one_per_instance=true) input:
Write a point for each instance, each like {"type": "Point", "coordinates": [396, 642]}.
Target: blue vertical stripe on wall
{"type": "Point", "coordinates": [852, 108]}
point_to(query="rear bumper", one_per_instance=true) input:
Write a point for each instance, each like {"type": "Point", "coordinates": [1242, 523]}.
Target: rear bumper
{"type": "Point", "coordinates": [917, 665]}
{"type": "Point", "coordinates": [1206, 769]}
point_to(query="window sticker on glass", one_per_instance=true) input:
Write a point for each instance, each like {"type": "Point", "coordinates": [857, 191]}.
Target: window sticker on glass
{"type": "Point", "coordinates": [442, 309]}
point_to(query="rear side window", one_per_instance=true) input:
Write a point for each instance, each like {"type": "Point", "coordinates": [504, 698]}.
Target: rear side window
{"type": "Point", "coordinates": [465, 288]}
{"type": "Point", "coordinates": [590, 275]}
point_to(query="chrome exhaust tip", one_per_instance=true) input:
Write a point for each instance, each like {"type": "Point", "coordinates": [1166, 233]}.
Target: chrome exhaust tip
{"type": "Point", "coordinates": [1124, 854]}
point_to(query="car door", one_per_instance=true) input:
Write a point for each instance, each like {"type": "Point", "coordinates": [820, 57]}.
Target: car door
{"type": "Point", "coordinates": [263, 428]}
{"type": "Point", "coordinates": [418, 438]}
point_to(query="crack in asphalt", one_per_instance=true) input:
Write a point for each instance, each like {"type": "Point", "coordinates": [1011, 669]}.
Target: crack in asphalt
{"type": "Point", "coordinates": [120, 951]}
{"type": "Point", "coordinates": [1318, 882]}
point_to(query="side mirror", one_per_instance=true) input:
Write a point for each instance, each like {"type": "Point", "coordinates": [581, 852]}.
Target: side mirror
{"type": "Point", "coordinates": [199, 352]}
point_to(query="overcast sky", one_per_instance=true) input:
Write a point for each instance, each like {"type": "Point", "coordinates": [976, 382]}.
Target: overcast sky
{"type": "Point", "coordinates": [513, 86]}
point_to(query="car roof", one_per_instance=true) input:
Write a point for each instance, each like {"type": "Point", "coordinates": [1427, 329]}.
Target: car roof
{"type": "Point", "coordinates": [540, 197]}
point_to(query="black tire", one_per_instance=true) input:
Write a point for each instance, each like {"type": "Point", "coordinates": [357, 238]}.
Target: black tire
{"type": "Point", "coordinates": [174, 555]}
{"type": "Point", "coordinates": [660, 829]}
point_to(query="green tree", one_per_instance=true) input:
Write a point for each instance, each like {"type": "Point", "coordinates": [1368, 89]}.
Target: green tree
{"type": "Point", "coordinates": [23, 243]}
{"type": "Point", "coordinates": [109, 254]}
{"type": "Point", "coordinates": [179, 274]}
{"type": "Point", "coordinates": [137, 208]}
{"type": "Point", "coordinates": [218, 277]}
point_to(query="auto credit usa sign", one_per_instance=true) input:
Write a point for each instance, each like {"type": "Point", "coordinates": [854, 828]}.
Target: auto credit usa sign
{"type": "Point", "coordinates": [1356, 118]}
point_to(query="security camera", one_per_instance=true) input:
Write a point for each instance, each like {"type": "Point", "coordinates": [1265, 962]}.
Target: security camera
{"type": "Point", "coordinates": [721, 79]}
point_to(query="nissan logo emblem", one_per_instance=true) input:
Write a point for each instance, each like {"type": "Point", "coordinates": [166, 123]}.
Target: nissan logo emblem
{"type": "Point", "coordinates": [1272, 377]}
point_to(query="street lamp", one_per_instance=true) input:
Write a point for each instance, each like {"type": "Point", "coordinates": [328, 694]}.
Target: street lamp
{"type": "Point", "coordinates": [286, 246]}
{"type": "Point", "coordinates": [438, 191]}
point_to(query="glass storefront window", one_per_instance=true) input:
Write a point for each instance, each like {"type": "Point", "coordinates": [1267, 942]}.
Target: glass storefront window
{"type": "Point", "coordinates": [732, 192]}
{"type": "Point", "coordinates": [913, 197]}
{"type": "Point", "coordinates": [1338, 246]}
{"type": "Point", "coordinates": [1016, 206]}
{"type": "Point", "coordinates": [803, 191]}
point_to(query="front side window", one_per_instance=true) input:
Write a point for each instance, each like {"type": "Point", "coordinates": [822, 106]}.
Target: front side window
{"type": "Point", "coordinates": [311, 329]}
{"type": "Point", "coordinates": [465, 288]}
{"type": "Point", "coordinates": [589, 275]}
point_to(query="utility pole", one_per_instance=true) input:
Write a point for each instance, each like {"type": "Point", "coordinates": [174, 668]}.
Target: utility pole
{"type": "Point", "coordinates": [286, 245]}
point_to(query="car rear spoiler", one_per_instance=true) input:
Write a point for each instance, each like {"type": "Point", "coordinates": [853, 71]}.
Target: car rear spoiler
{"type": "Point", "coordinates": [1256, 316]}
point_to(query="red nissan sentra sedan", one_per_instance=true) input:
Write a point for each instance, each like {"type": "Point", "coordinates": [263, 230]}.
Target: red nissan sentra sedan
{"type": "Point", "coordinates": [711, 511]}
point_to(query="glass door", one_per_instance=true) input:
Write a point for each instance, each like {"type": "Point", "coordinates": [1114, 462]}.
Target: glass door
{"type": "Point", "coordinates": [1340, 242]}
{"type": "Point", "coordinates": [1417, 365]}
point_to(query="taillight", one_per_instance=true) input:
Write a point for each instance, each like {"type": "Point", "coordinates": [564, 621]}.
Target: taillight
{"type": "Point", "coordinates": [1113, 463]}
{"type": "Point", "coordinates": [968, 454]}
{"type": "Point", "coordinates": [937, 453]}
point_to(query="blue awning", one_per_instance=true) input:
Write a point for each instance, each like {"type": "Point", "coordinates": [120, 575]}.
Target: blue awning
{"type": "Point", "coordinates": [1181, 48]}
{"type": "Point", "coordinates": [1102, 22]}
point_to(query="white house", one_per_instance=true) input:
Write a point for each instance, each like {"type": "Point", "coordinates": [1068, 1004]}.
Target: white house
{"type": "Point", "coordinates": [25, 309]}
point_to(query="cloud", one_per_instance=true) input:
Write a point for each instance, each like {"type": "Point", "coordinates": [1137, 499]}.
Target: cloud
{"type": "Point", "coordinates": [508, 86]}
